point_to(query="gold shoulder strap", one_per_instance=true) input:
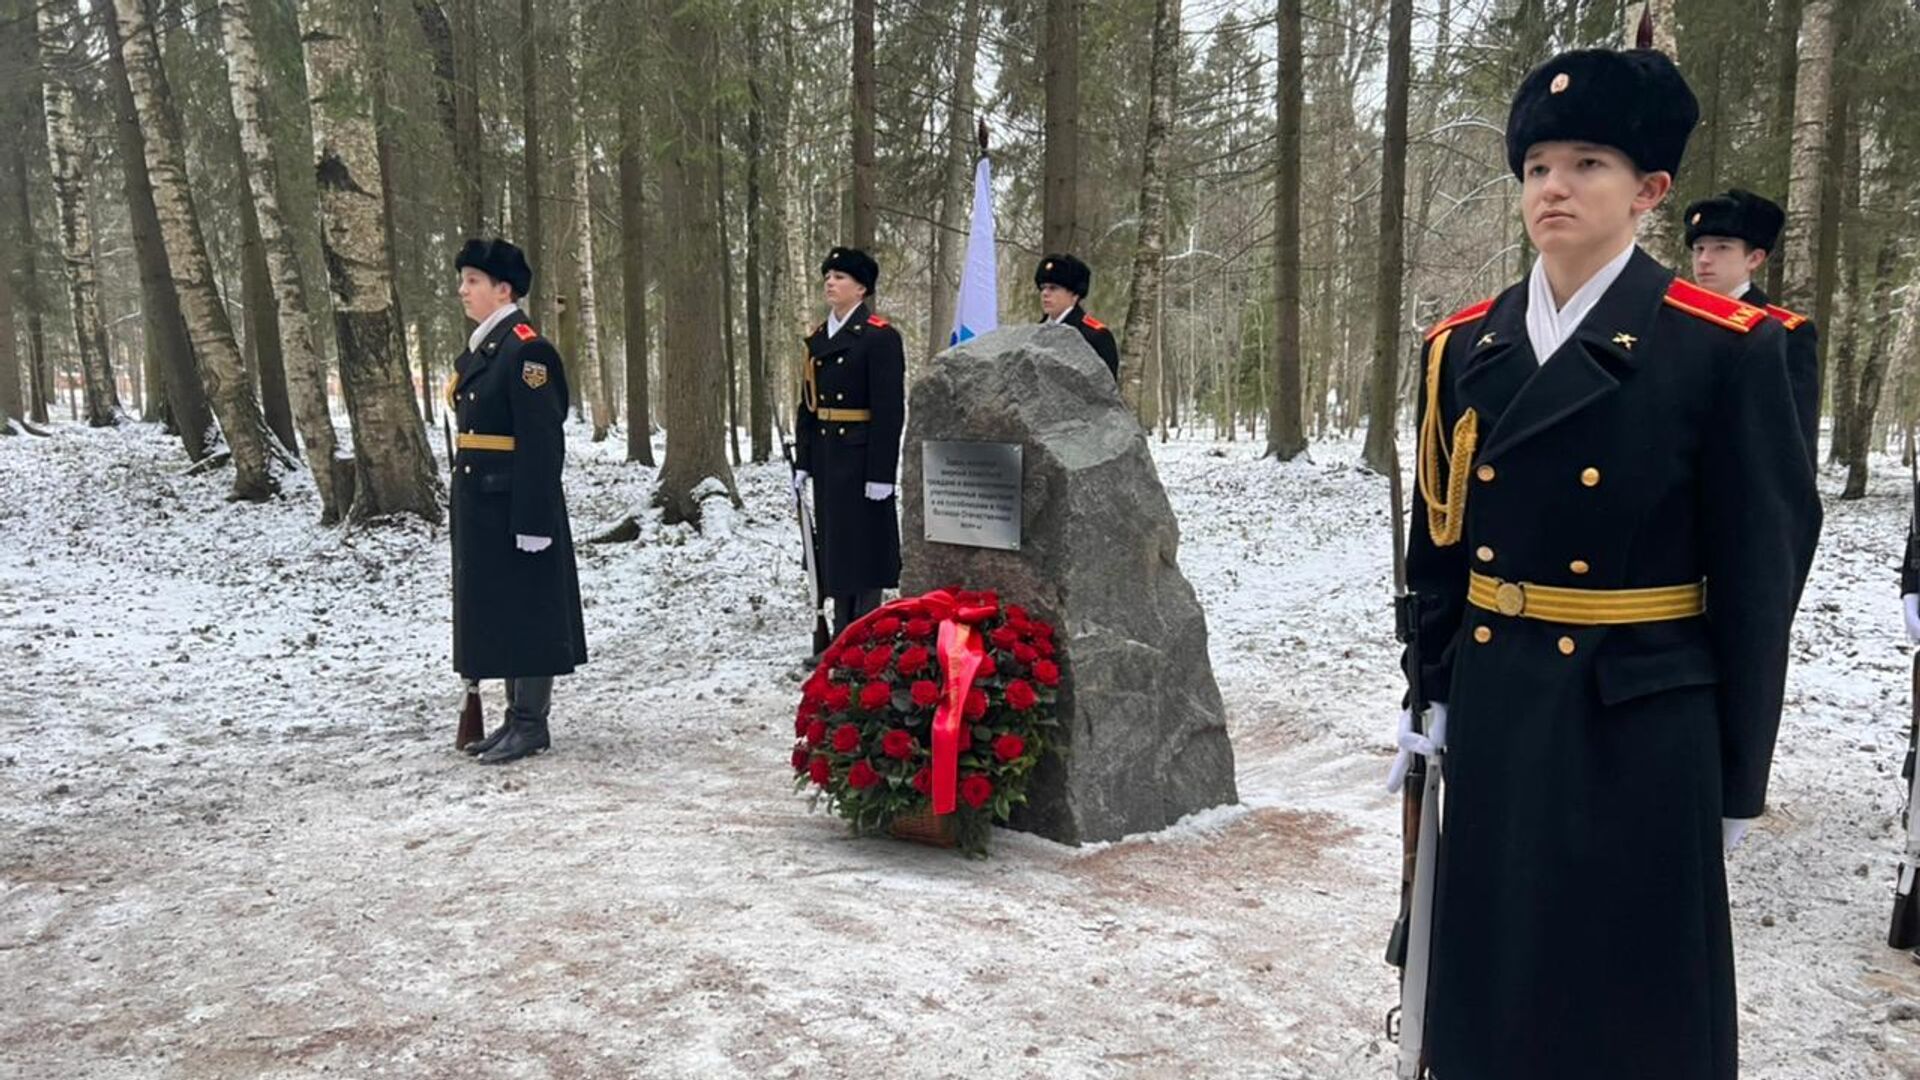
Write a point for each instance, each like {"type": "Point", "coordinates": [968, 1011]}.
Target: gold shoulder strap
{"type": "Point", "coordinates": [1446, 518]}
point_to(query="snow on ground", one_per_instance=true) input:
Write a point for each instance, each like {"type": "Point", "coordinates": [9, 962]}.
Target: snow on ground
{"type": "Point", "coordinates": [235, 840]}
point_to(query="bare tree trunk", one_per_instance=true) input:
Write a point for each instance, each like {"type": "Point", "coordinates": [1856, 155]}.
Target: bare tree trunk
{"type": "Point", "coordinates": [728, 353]}
{"type": "Point", "coordinates": [759, 394]}
{"type": "Point", "coordinates": [865, 221]}
{"type": "Point", "coordinates": [949, 234]}
{"type": "Point", "coordinates": [1285, 438]}
{"type": "Point", "coordinates": [168, 344]}
{"type": "Point", "coordinates": [27, 286]}
{"type": "Point", "coordinates": [530, 134]}
{"type": "Point", "coordinates": [1873, 374]}
{"type": "Point", "coordinates": [1786, 30]}
{"type": "Point", "coordinates": [1840, 205]}
{"type": "Point", "coordinates": [13, 410]}
{"type": "Point", "coordinates": [256, 455]}
{"type": "Point", "coordinates": [58, 22]}
{"type": "Point", "coordinates": [1810, 114]}
{"type": "Point", "coordinates": [1062, 179]}
{"type": "Point", "coordinates": [1149, 253]}
{"type": "Point", "coordinates": [262, 315]}
{"type": "Point", "coordinates": [695, 394]}
{"type": "Point", "coordinates": [393, 470]}
{"type": "Point", "coordinates": [457, 95]}
{"type": "Point", "coordinates": [307, 369]}
{"type": "Point", "coordinates": [633, 265]}
{"type": "Point", "coordinates": [1383, 414]}
{"type": "Point", "coordinates": [588, 356]}
{"type": "Point", "coordinates": [1657, 234]}
{"type": "Point", "coordinates": [1836, 160]}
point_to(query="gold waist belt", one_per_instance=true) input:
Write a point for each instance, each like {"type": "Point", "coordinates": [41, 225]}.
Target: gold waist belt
{"type": "Point", "coordinates": [844, 416]}
{"type": "Point", "coordinates": [469, 441]}
{"type": "Point", "coordinates": [1586, 607]}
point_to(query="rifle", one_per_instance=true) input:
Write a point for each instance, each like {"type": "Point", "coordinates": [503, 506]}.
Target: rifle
{"type": "Point", "coordinates": [1904, 931]}
{"type": "Point", "coordinates": [804, 514]}
{"type": "Point", "coordinates": [1409, 946]}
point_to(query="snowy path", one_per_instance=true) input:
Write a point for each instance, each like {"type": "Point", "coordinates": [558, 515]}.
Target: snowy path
{"type": "Point", "coordinates": [234, 841]}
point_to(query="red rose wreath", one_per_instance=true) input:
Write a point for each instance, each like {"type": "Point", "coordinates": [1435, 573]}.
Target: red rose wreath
{"type": "Point", "coordinates": [932, 705]}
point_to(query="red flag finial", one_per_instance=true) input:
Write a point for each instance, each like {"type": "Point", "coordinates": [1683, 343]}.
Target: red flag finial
{"type": "Point", "coordinates": [1643, 37]}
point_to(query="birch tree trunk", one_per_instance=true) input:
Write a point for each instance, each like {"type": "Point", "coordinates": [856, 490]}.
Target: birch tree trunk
{"type": "Point", "coordinates": [393, 470]}
{"type": "Point", "coordinates": [1813, 84]}
{"type": "Point", "coordinates": [1149, 252]}
{"type": "Point", "coordinates": [949, 236]}
{"type": "Point", "coordinates": [588, 356]}
{"type": "Point", "coordinates": [165, 326]}
{"type": "Point", "coordinates": [306, 368]}
{"type": "Point", "coordinates": [58, 23]}
{"type": "Point", "coordinates": [1383, 414]}
{"type": "Point", "coordinates": [256, 454]}
{"type": "Point", "coordinates": [864, 217]}
{"type": "Point", "coordinates": [1285, 437]}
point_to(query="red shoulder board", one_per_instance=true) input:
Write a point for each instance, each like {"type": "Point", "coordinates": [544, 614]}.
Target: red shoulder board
{"type": "Point", "coordinates": [1713, 307]}
{"type": "Point", "coordinates": [1092, 323]}
{"type": "Point", "coordinates": [525, 332]}
{"type": "Point", "coordinates": [875, 320]}
{"type": "Point", "coordinates": [1790, 320]}
{"type": "Point", "coordinates": [1464, 315]}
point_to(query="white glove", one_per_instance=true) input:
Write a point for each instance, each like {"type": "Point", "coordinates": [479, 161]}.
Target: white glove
{"type": "Point", "coordinates": [532, 544]}
{"type": "Point", "coordinates": [879, 492]}
{"type": "Point", "coordinates": [1911, 604]}
{"type": "Point", "coordinates": [1733, 830]}
{"type": "Point", "coordinates": [799, 481]}
{"type": "Point", "coordinates": [1412, 742]}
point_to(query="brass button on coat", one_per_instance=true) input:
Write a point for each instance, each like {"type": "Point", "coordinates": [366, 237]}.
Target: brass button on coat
{"type": "Point", "coordinates": [1484, 554]}
{"type": "Point", "coordinates": [1485, 473]}
{"type": "Point", "coordinates": [1483, 634]}
{"type": "Point", "coordinates": [1579, 566]}
{"type": "Point", "coordinates": [1566, 646]}
{"type": "Point", "coordinates": [1590, 477]}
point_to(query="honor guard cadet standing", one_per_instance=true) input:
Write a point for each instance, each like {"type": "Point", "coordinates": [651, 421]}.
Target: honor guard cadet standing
{"type": "Point", "coordinates": [1063, 282]}
{"type": "Point", "coordinates": [1614, 539]}
{"type": "Point", "coordinates": [516, 590]}
{"type": "Point", "coordinates": [852, 409]}
{"type": "Point", "coordinates": [1731, 237]}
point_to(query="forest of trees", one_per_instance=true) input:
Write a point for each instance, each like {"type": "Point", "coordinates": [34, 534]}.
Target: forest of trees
{"type": "Point", "coordinates": [236, 218]}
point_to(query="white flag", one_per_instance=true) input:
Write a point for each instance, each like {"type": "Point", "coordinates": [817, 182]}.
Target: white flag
{"type": "Point", "coordinates": [978, 309]}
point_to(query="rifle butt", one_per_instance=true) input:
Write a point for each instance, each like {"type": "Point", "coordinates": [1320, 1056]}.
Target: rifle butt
{"type": "Point", "coordinates": [1904, 931]}
{"type": "Point", "coordinates": [472, 724]}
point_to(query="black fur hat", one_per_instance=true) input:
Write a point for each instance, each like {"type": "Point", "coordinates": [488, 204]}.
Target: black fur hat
{"type": "Point", "coordinates": [1739, 214]}
{"type": "Point", "coordinates": [500, 261]}
{"type": "Point", "coordinates": [854, 263]}
{"type": "Point", "coordinates": [1633, 100]}
{"type": "Point", "coordinates": [1065, 271]}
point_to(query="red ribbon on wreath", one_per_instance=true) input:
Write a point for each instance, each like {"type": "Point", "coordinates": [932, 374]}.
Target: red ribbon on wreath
{"type": "Point", "coordinates": [962, 652]}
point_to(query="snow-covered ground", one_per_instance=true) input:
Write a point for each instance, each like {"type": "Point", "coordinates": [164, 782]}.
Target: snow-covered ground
{"type": "Point", "coordinates": [235, 840]}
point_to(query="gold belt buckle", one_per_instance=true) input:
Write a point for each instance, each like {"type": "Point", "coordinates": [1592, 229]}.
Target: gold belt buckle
{"type": "Point", "coordinates": [1510, 599]}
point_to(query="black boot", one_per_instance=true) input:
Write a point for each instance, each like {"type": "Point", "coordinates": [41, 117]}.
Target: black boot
{"type": "Point", "coordinates": [481, 746]}
{"type": "Point", "coordinates": [523, 738]}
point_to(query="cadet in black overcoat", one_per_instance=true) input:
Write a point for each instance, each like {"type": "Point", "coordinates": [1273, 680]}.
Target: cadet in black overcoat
{"type": "Point", "coordinates": [516, 589]}
{"type": "Point", "coordinates": [1596, 443]}
{"type": "Point", "coordinates": [1731, 237]}
{"type": "Point", "coordinates": [852, 410]}
{"type": "Point", "coordinates": [1063, 282]}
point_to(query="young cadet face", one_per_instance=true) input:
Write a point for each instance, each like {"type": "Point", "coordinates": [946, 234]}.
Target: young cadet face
{"type": "Point", "coordinates": [1723, 264]}
{"type": "Point", "coordinates": [1056, 301]}
{"type": "Point", "coordinates": [841, 292]}
{"type": "Point", "coordinates": [480, 295]}
{"type": "Point", "coordinates": [1582, 198]}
